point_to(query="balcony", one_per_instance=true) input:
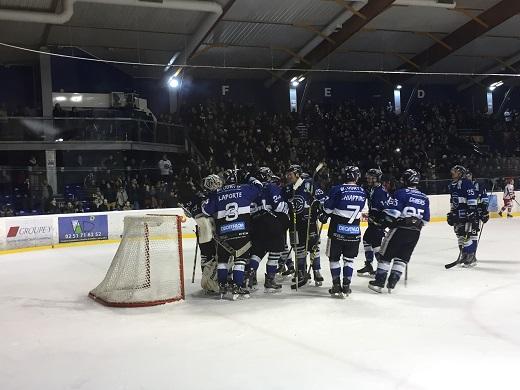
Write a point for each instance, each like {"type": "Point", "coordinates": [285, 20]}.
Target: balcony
{"type": "Point", "coordinates": [41, 133]}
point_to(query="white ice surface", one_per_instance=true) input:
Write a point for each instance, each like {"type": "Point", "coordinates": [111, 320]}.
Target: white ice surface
{"type": "Point", "coordinates": [449, 329]}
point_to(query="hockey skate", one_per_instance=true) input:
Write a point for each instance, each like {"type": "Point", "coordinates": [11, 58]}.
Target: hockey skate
{"type": "Point", "coordinates": [318, 279]}
{"type": "Point", "coordinates": [239, 292]}
{"type": "Point", "coordinates": [251, 280]}
{"type": "Point", "coordinates": [509, 215]}
{"type": "Point", "coordinates": [392, 281]}
{"type": "Point", "coordinates": [281, 269]}
{"type": "Point", "coordinates": [288, 272]}
{"type": "Point", "coordinates": [346, 289]}
{"type": "Point", "coordinates": [500, 214]}
{"type": "Point", "coordinates": [366, 271]}
{"type": "Point", "coordinates": [303, 278]}
{"type": "Point", "coordinates": [270, 285]}
{"type": "Point", "coordinates": [470, 261]}
{"type": "Point", "coordinates": [222, 289]}
{"type": "Point", "coordinates": [336, 291]}
{"type": "Point", "coordinates": [376, 286]}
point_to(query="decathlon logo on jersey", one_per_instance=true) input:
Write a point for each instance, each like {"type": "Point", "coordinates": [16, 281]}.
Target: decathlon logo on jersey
{"type": "Point", "coordinates": [348, 229]}
{"type": "Point", "coordinates": [232, 227]}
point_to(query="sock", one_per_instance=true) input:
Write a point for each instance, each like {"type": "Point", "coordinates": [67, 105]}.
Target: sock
{"type": "Point", "coordinates": [335, 269]}
{"type": "Point", "coordinates": [254, 262]}
{"type": "Point", "coordinates": [369, 253]}
{"type": "Point", "coordinates": [470, 246]}
{"type": "Point", "coordinates": [284, 256]}
{"type": "Point", "coordinates": [397, 270]}
{"type": "Point", "coordinates": [316, 263]}
{"type": "Point", "coordinates": [272, 263]}
{"type": "Point", "coordinates": [238, 272]}
{"type": "Point", "coordinates": [348, 269]}
{"type": "Point", "coordinates": [382, 271]}
{"type": "Point", "coordinates": [222, 272]}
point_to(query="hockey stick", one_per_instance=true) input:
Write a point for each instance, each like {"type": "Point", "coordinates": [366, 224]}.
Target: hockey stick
{"type": "Point", "coordinates": [454, 263]}
{"type": "Point", "coordinates": [196, 250]}
{"type": "Point", "coordinates": [406, 275]}
{"type": "Point", "coordinates": [313, 252]}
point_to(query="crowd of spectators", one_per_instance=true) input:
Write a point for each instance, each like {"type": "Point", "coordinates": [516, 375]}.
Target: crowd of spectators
{"type": "Point", "coordinates": [428, 139]}
{"type": "Point", "coordinates": [431, 139]}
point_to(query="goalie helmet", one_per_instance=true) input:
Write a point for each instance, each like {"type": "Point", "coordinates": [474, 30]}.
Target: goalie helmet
{"type": "Point", "coordinates": [230, 176]}
{"type": "Point", "coordinates": [352, 173]}
{"type": "Point", "coordinates": [211, 183]}
{"type": "Point", "coordinates": [411, 177]}
{"type": "Point", "coordinates": [265, 174]}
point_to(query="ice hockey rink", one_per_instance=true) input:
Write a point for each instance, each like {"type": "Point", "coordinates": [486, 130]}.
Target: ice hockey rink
{"type": "Point", "coordinates": [448, 329]}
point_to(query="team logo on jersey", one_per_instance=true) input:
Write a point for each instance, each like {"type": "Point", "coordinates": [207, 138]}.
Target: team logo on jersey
{"type": "Point", "coordinates": [232, 227]}
{"type": "Point", "coordinates": [299, 203]}
{"type": "Point", "coordinates": [348, 229]}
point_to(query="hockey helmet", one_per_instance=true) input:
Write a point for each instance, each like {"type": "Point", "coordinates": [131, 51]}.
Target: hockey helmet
{"type": "Point", "coordinates": [352, 173]}
{"type": "Point", "coordinates": [411, 177]}
{"type": "Point", "coordinates": [459, 169]}
{"type": "Point", "coordinates": [295, 168]}
{"type": "Point", "coordinates": [230, 176]}
{"type": "Point", "coordinates": [265, 174]}
{"type": "Point", "coordinates": [212, 183]}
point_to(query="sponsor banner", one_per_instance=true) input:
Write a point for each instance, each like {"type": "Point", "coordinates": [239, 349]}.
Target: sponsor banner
{"type": "Point", "coordinates": [83, 228]}
{"type": "Point", "coordinates": [20, 233]}
{"type": "Point", "coordinates": [232, 227]}
{"type": "Point", "coordinates": [348, 229]}
{"type": "Point", "coordinates": [493, 203]}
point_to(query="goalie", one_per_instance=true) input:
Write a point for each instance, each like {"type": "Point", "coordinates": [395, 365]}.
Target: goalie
{"type": "Point", "coordinates": [205, 232]}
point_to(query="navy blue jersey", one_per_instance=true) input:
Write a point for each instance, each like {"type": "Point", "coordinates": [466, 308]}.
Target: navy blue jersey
{"type": "Point", "coordinates": [462, 197]}
{"type": "Point", "coordinates": [408, 203]}
{"type": "Point", "coordinates": [299, 196]}
{"type": "Point", "coordinates": [194, 206]}
{"type": "Point", "coordinates": [344, 203]}
{"type": "Point", "coordinates": [482, 196]}
{"type": "Point", "coordinates": [230, 207]}
{"type": "Point", "coordinates": [377, 198]}
{"type": "Point", "coordinates": [269, 199]}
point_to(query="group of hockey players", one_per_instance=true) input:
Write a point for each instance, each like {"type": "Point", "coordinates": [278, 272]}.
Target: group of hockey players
{"type": "Point", "coordinates": [244, 217]}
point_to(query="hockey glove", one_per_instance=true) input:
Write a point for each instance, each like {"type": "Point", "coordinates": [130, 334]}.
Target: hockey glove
{"type": "Point", "coordinates": [472, 216]}
{"type": "Point", "coordinates": [323, 217]}
{"type": "Point", "coordinates": [484, 216]}
{"type": "Point", "coordinates": [376, 217]}
{"type": "Point", "coordinates": [451, 218]}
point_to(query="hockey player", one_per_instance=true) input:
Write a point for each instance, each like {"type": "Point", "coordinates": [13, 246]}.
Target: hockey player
{"type": "Point", "coordinates": [269, 221]}
{"type": "Point", "coordinates": [377, 195]}
{"type": "Point", "coordinates": [509, 197]}
{"type": "Point", "coordinates": [205, 232]}
{"type": "Point", "coordinates": [482, 205]}
{"type": "Point", "coordinates": [407, 211]}
{"type": "Point", "coordinates": [230, 207]}
{"type": "Point", "coordinates": [304, 197]}
{"type": "Point", "coordinates": [463, 215]}
{"type": "Point", "coordinates": [344, 204]}
{"type": "Point", "coordinates": [482, 198]}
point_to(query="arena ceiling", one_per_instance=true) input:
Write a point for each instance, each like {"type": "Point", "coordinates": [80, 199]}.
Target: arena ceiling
{"type": "Point", "coordinates": [481, 36]}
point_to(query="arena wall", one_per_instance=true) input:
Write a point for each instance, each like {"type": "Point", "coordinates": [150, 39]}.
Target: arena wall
{"type": "Point", "coordinates": [48, 231]}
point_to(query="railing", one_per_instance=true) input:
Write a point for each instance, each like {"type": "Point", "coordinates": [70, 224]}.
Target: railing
{"type": "Point", "coordinates": [89, 129]}
{"type": "Point", "coordinates": [435, 187]}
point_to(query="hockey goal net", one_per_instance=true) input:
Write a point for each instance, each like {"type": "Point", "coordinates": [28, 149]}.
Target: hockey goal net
{"type": "Point", "coordinates": [147, 268]}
